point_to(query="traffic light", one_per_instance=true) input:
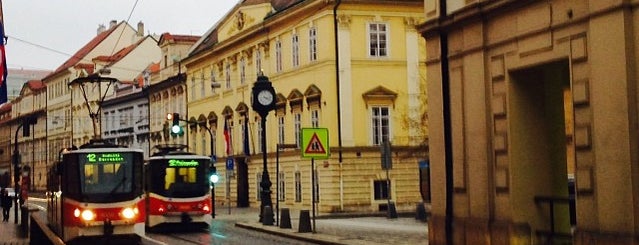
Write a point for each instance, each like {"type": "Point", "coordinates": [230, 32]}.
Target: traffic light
{"type": "Point", "coordinates": [175, 126]}
{"type": "Point", "coordinates": [213, 177]}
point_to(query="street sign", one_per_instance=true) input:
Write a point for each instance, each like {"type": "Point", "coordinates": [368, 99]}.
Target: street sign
{"type": "Point", "coordinates": [229, 163]}
{"type": "Point", "coordinates": [315, 143]}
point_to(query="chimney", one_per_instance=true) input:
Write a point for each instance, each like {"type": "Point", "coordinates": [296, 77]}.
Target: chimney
{"type": "Point", "coordinates": [101, 28]}
{"type": "Point", "coordinates": [113, 23]}
{"type": "Point", "coordinates": [140, 29]}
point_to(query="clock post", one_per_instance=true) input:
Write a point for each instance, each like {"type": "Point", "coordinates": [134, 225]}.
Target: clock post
{"type": "Point", "coordinates": [263, 101]}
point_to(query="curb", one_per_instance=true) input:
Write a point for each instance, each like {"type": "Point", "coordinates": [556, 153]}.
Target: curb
{"type": "Point", "coordinates": [325, 240]}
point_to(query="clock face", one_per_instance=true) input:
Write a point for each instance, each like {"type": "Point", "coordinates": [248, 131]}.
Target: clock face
{"type": "Point", "coordinates": [265, 97]}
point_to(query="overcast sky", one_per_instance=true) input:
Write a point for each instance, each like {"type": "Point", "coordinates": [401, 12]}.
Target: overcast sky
{"type": "Point", "coordinates": [45, 33]}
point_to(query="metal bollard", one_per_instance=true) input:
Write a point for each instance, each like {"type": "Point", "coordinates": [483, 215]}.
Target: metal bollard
{"type": "Point", "coordinates": [24, 221]}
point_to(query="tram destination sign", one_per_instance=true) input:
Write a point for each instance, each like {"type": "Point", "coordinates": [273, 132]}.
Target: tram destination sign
{"type": "Point", "coordinates": [183, 163]}
{"type": "Point", "coordinates": [104, 157]}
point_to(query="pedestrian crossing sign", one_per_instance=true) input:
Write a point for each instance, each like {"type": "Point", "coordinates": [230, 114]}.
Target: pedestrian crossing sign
{"type": "Point", "coordinates": [315, 143]}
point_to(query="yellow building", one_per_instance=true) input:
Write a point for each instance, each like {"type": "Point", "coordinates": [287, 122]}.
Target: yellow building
{"type": "Point", "coordinates": [522, 94]}
{"type": "Point", "coordinates": [167, 87]}
{"type": "Point", "coordinates": [353, 67]}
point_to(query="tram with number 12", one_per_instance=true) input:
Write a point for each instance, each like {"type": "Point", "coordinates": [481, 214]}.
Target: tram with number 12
{"type": "Point", "coordinates": [96, 195]}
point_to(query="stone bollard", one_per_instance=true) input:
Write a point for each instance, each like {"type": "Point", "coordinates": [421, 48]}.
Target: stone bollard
{"type": "Point", "coordinates": [420, 213]}
{"type": "Point", "coordinates": [392, 211]}
{"type": "Point", "coordinates": [305, 222]}
{"type": "Point", "coordinates": [267, 216]}
{"type": "Point", "coordinates": [285, 219]}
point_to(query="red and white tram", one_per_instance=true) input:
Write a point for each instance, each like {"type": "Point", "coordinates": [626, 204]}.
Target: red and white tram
{"type": "Point", "coordinates": [97, 195]}
{"type": "Point", "coordinates": [178, 189]}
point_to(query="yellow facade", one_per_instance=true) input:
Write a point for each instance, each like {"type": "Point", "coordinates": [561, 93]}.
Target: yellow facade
{"type": "Point", "coordinates": [310, 93]}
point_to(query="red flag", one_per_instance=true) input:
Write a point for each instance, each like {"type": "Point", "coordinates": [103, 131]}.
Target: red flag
{"type": "Point", "coordinates": [3, 61]}
{"type": "Point", "coordinates": [227, 138]}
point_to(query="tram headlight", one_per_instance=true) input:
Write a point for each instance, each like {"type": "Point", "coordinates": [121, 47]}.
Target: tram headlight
{"type": "Point", "coordinates": [129, 213]}
{"type": "Point", "coordinates": [88, 215]}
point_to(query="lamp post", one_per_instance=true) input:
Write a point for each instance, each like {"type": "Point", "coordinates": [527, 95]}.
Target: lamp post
{"type": "Point", "coordinates": [27, 122]}
{"type": "Point", "coordinates": [263, 101]}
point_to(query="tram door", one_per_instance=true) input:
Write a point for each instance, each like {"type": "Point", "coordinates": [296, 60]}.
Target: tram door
{"type": "Point", "coordinates": [242, 183]}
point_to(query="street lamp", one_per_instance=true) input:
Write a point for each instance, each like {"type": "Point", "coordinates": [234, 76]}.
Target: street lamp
{"type": "Point", "coordinates": [27, 122]}
{"type": "Point", "coordinates": [263, 101]}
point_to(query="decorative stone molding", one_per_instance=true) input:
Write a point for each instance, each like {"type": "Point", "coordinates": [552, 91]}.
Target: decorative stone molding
{"type": "Point", "coordinates": [380, 94]}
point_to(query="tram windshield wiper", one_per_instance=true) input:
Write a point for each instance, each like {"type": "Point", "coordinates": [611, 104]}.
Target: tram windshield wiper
{"type": "Point", "coordinates": [118, 185]}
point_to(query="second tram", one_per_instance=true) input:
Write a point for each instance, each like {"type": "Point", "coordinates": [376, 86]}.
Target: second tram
{"type": "Point", "coordinates": [178, 189]}
{"type": "Point", "coordinates": [96, 195]}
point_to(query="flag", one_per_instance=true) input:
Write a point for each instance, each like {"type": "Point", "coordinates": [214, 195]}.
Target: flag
{"type": "Point", "coordinates": [247, 150]}
{"type": "Point", "coordinates": [227, 138]}
{"type": "Point", "coordinates": [3, 60]}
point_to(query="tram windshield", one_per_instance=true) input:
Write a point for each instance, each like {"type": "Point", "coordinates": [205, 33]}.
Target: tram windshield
{"type": "Point", "coordinates": [179, 177]}
{"type": "Point", "coordinates": [106, 173]}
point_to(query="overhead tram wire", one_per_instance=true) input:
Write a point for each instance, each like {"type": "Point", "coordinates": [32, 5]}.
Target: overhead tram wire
{"type": "Point", "coordinates": [122, 32]}
{"type": "Point", "coordinates": [66, 54]}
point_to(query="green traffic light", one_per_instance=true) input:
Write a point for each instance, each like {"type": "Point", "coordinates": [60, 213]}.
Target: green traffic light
{"type": "Point", "coordinates": [214, 178]}
{"type": "Point", "coordinates": [176, 129]}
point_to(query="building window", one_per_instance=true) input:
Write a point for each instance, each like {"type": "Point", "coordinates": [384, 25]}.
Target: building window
{"type": "Point", "coordinates": [242, 71]}
{"type": "Point", "coordinates": [378, 40]}
{"type": "Point", "coordinates": [228, 75]}
{"type": "Point", "coordinates": [298, 186]}
{"type": "Point", "coordinates": [259, 135]}
{"type": "Point", "coordinates": [380, 124]}
{"type": "Point", "coordinates": [298, 128]}
{"type": "Point", "coordinates": [202, 90]}
{"type": "Point", "coordinates": [315, 118]}
{"type": "Point", "coordinates": [281, 188]}
{"type": "Point", "coordinates": [295, 45]}
{"type": "Point", "coordinates": [214, 140]}
{"type": "Point", "coordinates": [192, 88]}
{"type": "Point", "coordinates": [203, 146]}
{"type": "Point", "coordinates": [312, 44]}
{"type": "Point", "coordinates": [381, 189]}
{"type": "Point", "coordinates": [280, 130]}
{"type": "Point", "coordinates": [258, 180]}
{"type": "Point", "coordinates": [258, 61]}
{"type": "Point", "coordinates": [278, 56]}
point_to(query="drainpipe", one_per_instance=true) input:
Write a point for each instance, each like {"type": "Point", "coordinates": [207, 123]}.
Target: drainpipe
{"type": "Point", "coordinates": [448, 151]}
{"type": "Point", "coordinates": [339, 105]}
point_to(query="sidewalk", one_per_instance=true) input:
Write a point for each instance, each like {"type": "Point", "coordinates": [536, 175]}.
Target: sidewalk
{"type": "Point", "coordinates": [11, 231]}
{"type": "Point", "coordinates": [348, 229]}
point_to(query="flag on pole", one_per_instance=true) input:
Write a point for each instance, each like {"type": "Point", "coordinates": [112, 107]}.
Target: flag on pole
{"type": "Point", "coordinates": [247, 150]}
{"type": "Point", "coordinates": [3, 60]}
{"type": "Point", "coordinates": [227, 138]}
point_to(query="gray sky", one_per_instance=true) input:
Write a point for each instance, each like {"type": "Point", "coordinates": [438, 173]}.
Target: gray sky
{"type": "Point", "coordinates": [45, 33]}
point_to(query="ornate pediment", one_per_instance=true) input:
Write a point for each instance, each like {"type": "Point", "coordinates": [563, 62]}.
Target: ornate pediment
{"type": "Point", "coordinates": [380, 94]}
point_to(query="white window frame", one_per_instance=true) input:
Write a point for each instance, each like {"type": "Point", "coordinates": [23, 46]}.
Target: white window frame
{"type": "Point", "coordinates": [378, 45]}
{"type": "Point", "coordinates": [295, 50]}
{"type": "Point", "coordinates": [377, 133]}
{"type": "Point", "coordinates": [202, 91]}
{"type": "Point", "coordinates": [298, 186]}
{"type": "Point", "coordinates": [297, 121]}
{"type": "Point", "coordinates": [278, 56]}
{"type": "Point", "coordinates": [315, 117]}
{"type": "Point", "coordinates": [242, 70]}
{"type": "Point", "coordinates": [312, 44]}
{"type": "Point", "coordinates": [258, 61]}
{"type": "Point", "coordinates": [281, 128]}
{"type": "Point", "coordinates": [281, 187]}
{"type": "Point", "coordinates": [227, 71]}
